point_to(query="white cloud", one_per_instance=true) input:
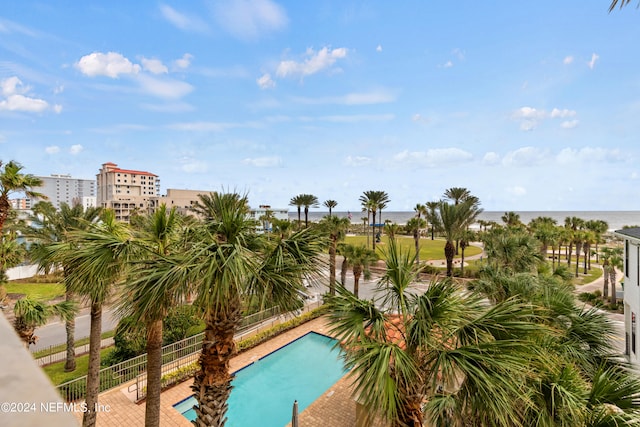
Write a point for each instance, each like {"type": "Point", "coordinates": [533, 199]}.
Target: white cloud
{"type": "Point", "coordinates": [154, 66]}
{"type": "Point", "coordinates": [419, 118]}
{"type": "Point", "coordinates": [491, 158]}
{"type": "Point", "coordinates": [355, 118]}
{"type": "Point", "coordinates": [164, 88]}
{"type": "Point", "coordinates": [183, 21]}
{"type": "Point", "coordinates": [517, 190]}
{"type": "Point", "coordinates": [567, 60]}
{"type": "Point", "coordinates": [357, 161]}
{"type": "Point", "coordinates": [569, 124]}
{"type": "Point", "coordinates": [15, 97]}
{"type": "Point", "coordinates": [525, 156]}
{"type": "Point", "coordinates": [447, 64]}
{"type": "Point", "coordinates": [528, 113]}
{"type": "Point", "coordinates": [201, 126]}
{"type": "Point", "coordinates": [315, 62]}
{"type": "Point", "coordinates": [379, 48]}
{"type": "Point", "coordinates": [57, 108]}
{"type": "Point", "coordinates": [433, 157]}
{"type": "Point", "coordinates": [594, 58]}
{"type": "Point", "coordinates": [58, 89]}
{"type": "Point", "coordinates": [589, 155]}
{"type": "Point", "coordinates": [109, 64]}
{"type": "Point", "coordinates": [191, 165]}
{"type": "Point", "coordinates": [249, 19]}
{"type": "Point", "coordinates": [52, 149]}
{"type": "Point", "coordinates": [266, 82]}
{"type": "Point", "coordinates": [264, 162]}
{"type": "Point", "coordinates": [530, 117]}
{"type": "Point", "coordinates": [381, 96]}
{"type": "Point", "coordinates": [556, 113]}
{"type": "Point", "coordinates": [76, 149]}
{"type": "Point", "coordinates": [183, 62]}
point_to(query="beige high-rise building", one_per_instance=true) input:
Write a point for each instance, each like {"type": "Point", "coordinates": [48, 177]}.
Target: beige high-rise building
{"type": "Point", "coordinates": [126, 191]}
{"type": "Point", "coordinates": [182, 200]}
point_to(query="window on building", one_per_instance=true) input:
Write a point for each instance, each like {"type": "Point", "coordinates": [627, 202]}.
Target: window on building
{"type": "Point", "coordinates": [633, 333]}
{"type": "Point", "coordinates": [626, 258]}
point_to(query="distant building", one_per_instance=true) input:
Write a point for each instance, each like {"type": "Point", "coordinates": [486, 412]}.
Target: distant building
{"type": "Point", "coordinates": [182, 200]}
{"type": "Point", "coordinates": [631, 268]}
{"type": "Point", "coordinates": [65, 189]}
{"type": "Point", "coordinates": [265, 214]}
{"type": "Point", "coordinates": [127, 191]}
{"type": "Point", "coordinates": [20, 204]}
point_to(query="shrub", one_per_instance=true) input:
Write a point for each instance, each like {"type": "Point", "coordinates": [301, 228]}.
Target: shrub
{"type": "Point", "coordinates": [597, 293]}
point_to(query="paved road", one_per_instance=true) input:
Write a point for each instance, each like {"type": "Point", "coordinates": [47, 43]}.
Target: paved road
{"type": "Point", "coordinates": [54, 333]}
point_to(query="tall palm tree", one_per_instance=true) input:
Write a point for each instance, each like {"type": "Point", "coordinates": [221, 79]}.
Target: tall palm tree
{"type": "Point", "coordinates": [466, 237]}
{"type": "Point", "coordinates": [606, 254]}
{"type": "Point", "coordinates": [226, 264]}
{"type": "Point", "coordinates": [432, 217]}
{"type": "Point", "coordinates": [413, 226]}
{"type": "Point", "coordinates": [336, 228]}
{"type": "Point", "coordinates": [615, 263]}
{"type": "Point", "coordinates": [578, 241]}
{"type": "Point", "coordinates": [572, 224]}
{"type": "Point", "coordinates": [13, 180]}
{"type": "Point", "coordinates": [444, 347]}
{"type": "Point", "coordinates": [298, 202]}
{"type": "Point", "coordinates": [330, 204]}
{"type": "Point", "coordinates": [49, 225]}
{"type": "Point", "coordinates": [97, 264]}
{"type": "Point", "coordinates": [375, 201]}
{"type": "Point", "coordinates": [149, 301]}
{"type": "Point", "coordinates": [457, 194]}
{"type": "Point", "coordinates": [359, 258]}
{"type": "Point", "coordinates": [454, 220]}
{"type": "Point", "coordinates": [306, 200]}
{"type": "Point", "coordinates": [598, 227]}
{"type": "Point", "coordinates": [30, 314]}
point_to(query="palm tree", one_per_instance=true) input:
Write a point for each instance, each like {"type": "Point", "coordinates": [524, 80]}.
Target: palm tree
{"type": "Point", "coordinates": [374, 201]}
{"type": "Point", "coordinates": [97, 258]}
{"type": "Point", "coordinates": [578, 241]}
{"type": "Point", "coordinates": [615, 263]}
{"type": "Point", "coordinates": [11, 181]}
{"type": "Point", "coordinates": [298, 202]}
{"type": "Point", "coordinates": [511, 219]}
{"type": "Point", "coordinates": [359, 258]}
{"type": "Point", "coordinates": [330, 204]}
{"type": "Point", "coordinates": [12, 253]}
{"type": "Point", "coordinates": [433, 218]}
{"type": "Point", "coordinates": [512, 250]}
{"type": "Point", "coordinates": [454, 220]}
{"type": "Point", "coordinates": [30, 314]}
{"type": "Point", "coordinates": [443, 347]}
{"type": "Point", "coordinates": [413, 226]}
{"type": "Point", "coordinates": [598, 227]}
{"type": "Point", "coordinates": [227, 265]}
{"type": "Point", "coordinates": [457, 194]}
{"type": "Point", "coordinates": [306, 200]}
{"type": "Point", "coordinates": [571, 224]}
{"type": "Point", "coordinates": [50, 226]}
{"type": "Point", "coordinates": [615, 3]}
{"type": "Point", "coordinates": [606, 254]}
{"type": "Point", "coordinates": [149, 301]}
{"type": "Point", "coordinates": [336, 228]}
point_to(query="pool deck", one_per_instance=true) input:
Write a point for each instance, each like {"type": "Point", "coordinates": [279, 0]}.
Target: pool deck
{"type": "Point", "coordinates": [334, 408]}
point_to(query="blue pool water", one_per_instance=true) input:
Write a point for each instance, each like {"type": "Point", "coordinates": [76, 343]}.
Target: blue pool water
{"type": "Point", "coordinates": [263, 392]}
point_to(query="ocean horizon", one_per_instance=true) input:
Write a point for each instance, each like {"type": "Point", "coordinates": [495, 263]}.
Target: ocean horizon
{"type": "Point", "coordinates": [615, 219]}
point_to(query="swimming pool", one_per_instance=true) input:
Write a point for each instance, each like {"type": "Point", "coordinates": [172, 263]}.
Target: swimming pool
{"type": "Point", "coordinates": [263, 392]}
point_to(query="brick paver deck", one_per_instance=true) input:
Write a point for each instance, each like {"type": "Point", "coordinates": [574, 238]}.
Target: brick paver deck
{"type": "Point", "coordinates": [335, 408]}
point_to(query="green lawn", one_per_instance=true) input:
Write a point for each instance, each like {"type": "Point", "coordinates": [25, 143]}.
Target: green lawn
{"type": "Point", "coordinates": [39, 291]}
{"type": "Point", "coordinates": [57, 374]}
{"type": "Point", "coordinates": [593, 274]}
{"type": "Point", "coordinates": [429, 249]}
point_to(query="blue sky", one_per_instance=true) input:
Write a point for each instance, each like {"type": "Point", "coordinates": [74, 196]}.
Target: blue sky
{"type": "Point", "coordinates": [529, 105]}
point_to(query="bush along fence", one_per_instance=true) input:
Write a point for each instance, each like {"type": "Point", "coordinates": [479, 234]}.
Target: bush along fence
{"type": "Point", "coordinates": [179, 358]}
